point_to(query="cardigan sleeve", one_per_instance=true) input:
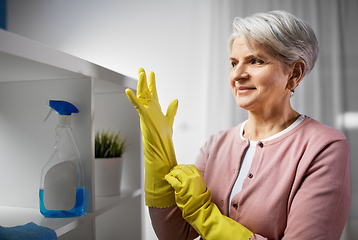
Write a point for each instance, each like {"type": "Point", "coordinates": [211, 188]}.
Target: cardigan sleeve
{"type": "Point", "coordinates": [168, 224]}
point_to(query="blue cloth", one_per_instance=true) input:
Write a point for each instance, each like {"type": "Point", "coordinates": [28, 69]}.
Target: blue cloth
{"type": "Point", "coordinates": [29, 231]}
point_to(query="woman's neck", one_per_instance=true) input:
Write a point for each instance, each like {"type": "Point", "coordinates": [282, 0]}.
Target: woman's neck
{"type": "Point", "coordinates": [266, 124]}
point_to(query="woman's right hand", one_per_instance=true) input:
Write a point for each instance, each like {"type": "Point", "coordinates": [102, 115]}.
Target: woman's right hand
{"type": "Point", "coordinates": [157, 131]}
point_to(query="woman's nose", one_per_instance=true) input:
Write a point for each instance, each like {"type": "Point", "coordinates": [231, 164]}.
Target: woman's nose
{"type": "Point", "coordinates": [239, 73]}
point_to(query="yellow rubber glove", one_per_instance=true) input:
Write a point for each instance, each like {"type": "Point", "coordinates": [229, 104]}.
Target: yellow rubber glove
{"type": "Point", "coordinates": [157, 130]}
{"type": "Point", "coordinates": [194, 199]}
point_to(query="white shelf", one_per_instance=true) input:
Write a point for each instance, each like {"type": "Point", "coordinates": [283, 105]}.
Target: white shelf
{"type": "Point", "coordinates": [15, 216]}
{"type": "Point", "coordinates": [22, 59]}
{"type": "Point", "coordinates": [31, 73]}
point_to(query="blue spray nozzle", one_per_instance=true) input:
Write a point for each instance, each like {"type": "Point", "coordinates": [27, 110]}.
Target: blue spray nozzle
{"type": "Point", "coordinates": [63, 107]}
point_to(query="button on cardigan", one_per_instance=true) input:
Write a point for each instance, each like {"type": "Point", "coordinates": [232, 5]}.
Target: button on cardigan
{"type": "Point", "coordinates": [300, 185]}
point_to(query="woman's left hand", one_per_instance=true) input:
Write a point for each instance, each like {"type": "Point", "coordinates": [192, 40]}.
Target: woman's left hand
{"type": "Point", "coordinates": [194, 200]}
{"type": "Point", "coordinates": [190, 189]}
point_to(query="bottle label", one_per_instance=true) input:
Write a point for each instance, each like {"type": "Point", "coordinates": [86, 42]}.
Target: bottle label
{"type": "Point", "coordinates": [60, 187]}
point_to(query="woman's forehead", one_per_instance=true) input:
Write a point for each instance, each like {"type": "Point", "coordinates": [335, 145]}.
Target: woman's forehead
{"type": "Point", "coordinates": [251, 47]}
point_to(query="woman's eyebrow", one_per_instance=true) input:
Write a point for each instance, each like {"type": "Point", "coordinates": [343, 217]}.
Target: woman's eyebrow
{"type": "Point", "coordinates": [260, 56]}
{"type": "Point", "coordinates": [248, 57]}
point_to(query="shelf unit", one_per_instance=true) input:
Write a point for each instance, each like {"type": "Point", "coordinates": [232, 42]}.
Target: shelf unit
{"type": "Point", "coordinates": [31, 74]}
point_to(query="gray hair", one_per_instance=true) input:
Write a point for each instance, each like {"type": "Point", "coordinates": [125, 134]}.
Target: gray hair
{"type": "Point", "coordinates": [286, 36]}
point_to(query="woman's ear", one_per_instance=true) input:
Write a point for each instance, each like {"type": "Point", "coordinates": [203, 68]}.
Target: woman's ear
{"type": "Point", "coordinates": [298, 70]}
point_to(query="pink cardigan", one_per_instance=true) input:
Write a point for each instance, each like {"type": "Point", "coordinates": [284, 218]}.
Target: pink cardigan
{"type": "Point", "coordinates": [298, 186]}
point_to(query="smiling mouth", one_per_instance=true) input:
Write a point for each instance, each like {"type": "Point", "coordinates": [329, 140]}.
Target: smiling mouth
{"type": "Point", "coordinates": [244, 90]}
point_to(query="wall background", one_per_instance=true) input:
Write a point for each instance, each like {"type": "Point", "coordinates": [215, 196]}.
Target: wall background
{"type": "Point", "coordinates": [185, 44]}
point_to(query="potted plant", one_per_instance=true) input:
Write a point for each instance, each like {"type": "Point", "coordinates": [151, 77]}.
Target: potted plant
{"type": "Point", "coordinates": [109, 148]}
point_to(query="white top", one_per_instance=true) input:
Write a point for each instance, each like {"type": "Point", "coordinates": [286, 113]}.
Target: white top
{"type": "Point", "coordinates": [246, 163]}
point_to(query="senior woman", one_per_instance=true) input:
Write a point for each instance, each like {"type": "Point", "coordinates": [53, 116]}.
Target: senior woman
{"type": "Point", "coordinates": [278, 175]}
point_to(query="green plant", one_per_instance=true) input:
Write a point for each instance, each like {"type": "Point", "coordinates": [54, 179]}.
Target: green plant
{"type": "Point", "coordinates": [109, 144]}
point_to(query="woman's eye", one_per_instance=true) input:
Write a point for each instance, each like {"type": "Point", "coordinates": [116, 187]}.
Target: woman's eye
{"type": "Point", "coordinates": [233, 64]}
{"type": "Point", "coordinates": [257, 61]}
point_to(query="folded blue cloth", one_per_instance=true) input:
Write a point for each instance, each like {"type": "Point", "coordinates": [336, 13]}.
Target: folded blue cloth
{"type": "Point", "coordinates": [29, 231]}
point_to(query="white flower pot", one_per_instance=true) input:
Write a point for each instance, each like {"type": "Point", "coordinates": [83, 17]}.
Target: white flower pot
{"type": "Point", "coordinates": [108, 173]}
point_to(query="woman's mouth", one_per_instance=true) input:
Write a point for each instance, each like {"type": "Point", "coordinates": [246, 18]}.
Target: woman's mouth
{"type": "Point", "coordinates": [243, 90]}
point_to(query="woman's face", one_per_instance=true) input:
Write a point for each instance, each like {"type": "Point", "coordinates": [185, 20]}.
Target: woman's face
{"type": "Point", "coordinates": [258, 80]}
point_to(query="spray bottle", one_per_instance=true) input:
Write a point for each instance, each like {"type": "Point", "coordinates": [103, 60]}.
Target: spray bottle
{"type": "Point", "coordinates": [62, 190]}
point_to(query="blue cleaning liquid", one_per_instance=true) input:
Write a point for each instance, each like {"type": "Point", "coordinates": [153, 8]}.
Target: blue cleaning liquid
{"type": "Point", "coordinates": [76, 211]}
